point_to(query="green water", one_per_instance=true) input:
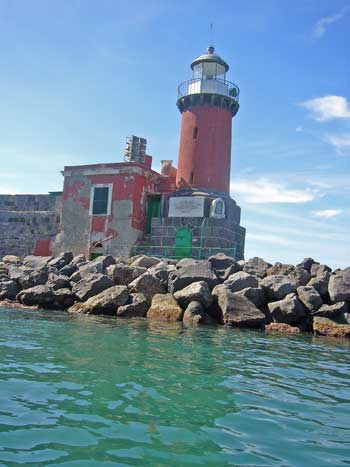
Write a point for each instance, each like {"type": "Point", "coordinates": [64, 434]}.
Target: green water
{"type": "Point", "coordinates": [85, 391]}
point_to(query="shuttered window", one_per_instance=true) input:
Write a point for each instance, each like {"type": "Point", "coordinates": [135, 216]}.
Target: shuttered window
{"type": "Point", "coordinates": [100, 200]}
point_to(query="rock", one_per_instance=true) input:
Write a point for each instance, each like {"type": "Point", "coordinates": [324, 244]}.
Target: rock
{"type": "Point", "coordinates": [161, 271]}
{"type": "Point", "coordinates": [332, 311]}
{"type": "Point", "coordinates": [64, 298]}
{"type": "Point", "coordinates": [195, 314]}
{"type": "Point", "coordinates": [185, 262]}
{"type": "Point", "coordinates": [165, 308]}
{"type": "Point", "coordinates": [241, 280]}
{"type": "Point", "coordinates": [223, 265]}
{"type": "Point", "coordinates": [11, 259]}
{"type": "Point", "coordinates": [297, 275]}
{"type": "Point", "coordinates": [256, 266]}
{"type": "Point", "coordinates": [148, 285]}
{"type": "Point", "coordinates": [106, 302]}
{"type": "Point", "coordinates": [290, 310]}
{"type": "Point", "coordinates": [327, 327]}
{"type": "Point", "coordinates": [218, 289]}
{"type": "Point", "coordinates": [306, 264]}
{"type": "Point", "coordinates": [309, 296]}
{"type": "Point", "coordinates": [16, 272]}
{"type": "Point", "coordinates": [320, 283]}
{"type": "Point", "coordinates": [184, 276]}
{"type": "Point", "coordinates": [61, 260]}
{"type": "Point", "coordinates": [77, 260]}
{"type": "Point", "coordinates": [90, 285]}
{"type": "Point", "coordinates": [238, 311]}
{"type": "Point", "coordinates": [240, 264]}
{"type": "Point", "coordinates": [36, 262]}
{"type": "Point", "coordinates": [9, 290]}
{"type": "Point", "coordinates": [36, 277]}
{"type": "Point", "coordinates": [319, 269]}
{"type": "Point", "coordinates": [339, 287]}
{"type": "Point", "coordinates": [58, 282]}
{"type": "Point", "coordinates": [195, 292]}
{"type": "Point", "coordinates": [39, 295]}
{"type": "Point", "coordinates": [282, 327]}
{"type": "Point", "coordinates": [136, 307]}
{"type": "Point", "coordinates": [255, 294]}
{"type": "Point", "coordinates": [69, 269]}
{"type": "Point", "coordinates": [277, 287]}
{"type": "Point", "coordinates": [102, 262]}
{"type": "Point", "coordinates": [75, 277]}
{"type": "Point", "coordinates": [144, 261]}
{"type": "Point", "coordinates": [122, 274]}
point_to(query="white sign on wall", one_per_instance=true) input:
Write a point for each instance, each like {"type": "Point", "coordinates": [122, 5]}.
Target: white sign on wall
{"type": "Point", "coordinates": [186, 206]}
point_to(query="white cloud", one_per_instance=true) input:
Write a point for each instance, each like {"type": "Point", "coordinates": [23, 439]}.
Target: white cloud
{"type": "Point", "coordinates": [323, 23]}
{"type": "Point", "coordinates": [327, 213]}
{"type": "Point", "coordinates": [340, 141]}
{"type": "Point", "coordinates": [328, 108]}
{"type": "Point", "coordinates": [263, 190]}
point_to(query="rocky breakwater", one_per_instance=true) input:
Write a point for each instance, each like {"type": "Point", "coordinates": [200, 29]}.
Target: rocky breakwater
{"type": "Point", "coordinates": [247, 294]}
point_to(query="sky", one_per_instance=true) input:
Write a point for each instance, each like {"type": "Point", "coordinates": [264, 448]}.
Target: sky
{"type": "Point", "coordinates": [78, 76]}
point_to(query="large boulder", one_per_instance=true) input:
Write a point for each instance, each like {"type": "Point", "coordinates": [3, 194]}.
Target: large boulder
{"type": "Point", "coordinates": [90, 285]}
{"type": "Point", "coordinates": [256, 266]}
{"type": "Point", "coordinates": [68, 269]}
{"type": "Point", "coordinates": [332, 311]}
{"type": "Point", "coordinates": [64, 298]}
{"type": "Point", "coordinates": [77, 260]}
{"type": "Point", "coordinates": [196, 314]}
{"type": "Point", "coordinates": [241, 280]}
{"type": "Point", "coordinates": [61, 260]}
{"type": "Point", "coordinates": [185, 262]}
{"type": "Point", "coordinates": [306, 264]}
{"type": "Point", "coordinates": [144, 261]}
{"type": "Point", "coordinates": [195, 292]}
{"type": "Point", "coordinates": [277, 287]}
{"type": "Point", "coordinates": [11, 259]}
{"type": "Point", "coordinates": [164, 307]}
{"type": "Point", "coordinates": [327, 327]}
{"type": "Point", "coordinates": [39, 295]}
{"type": "Point", "coordinates": [289, 310]}
{"type": "Point", "coordinates": [309, 296]}
{"type": "Point", "coordinates": [339, 286]}
{"type": "Point", "coordinates": [255, 294]}
{"type": "Point", "coordinates": [237, 310]}
{"type": "Point", "coordinates": [58, 282]}
{"type": "Point", "coordinates": [34, 278]}
{"type": "Point", "coordinates": [106, 302]}
{"type": "Point", "coordinates": [223, 265]}
{"type": "Point", "coordinates": [36, 262]}
{"type": "Point", "coordinates": [8, 290]}
{"type": "Point", "coordinates": [320, 283]}
{"type": "Point", "coordinates": [184, 276]}
{"type": "Point", "coordinates": [161, 271]}
{"type": "Point", "coordinates": [136, 307]}
{"type": "Point", "coordinates": [319, 269]}
{"type": "Point", "coordinates": [102, 262]}
{"type": "Point", "coordinates": [297, 275]}
{"type": "Point", "coordinates": [121, 274]}
{"type": "Point", "coordinates": [16, 272]}
{"type": "Point", "coordinates": [282, 328]}
{"type": "Point", "coordinates": [148, 285]}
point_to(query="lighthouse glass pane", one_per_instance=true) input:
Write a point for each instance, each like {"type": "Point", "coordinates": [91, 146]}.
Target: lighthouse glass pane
{"type": "Point", "coordinates": [209, 70]}
{"type": "Point", "coordinates": [100, 201]}
{"type": "Point", "coordinates": [197, 71]}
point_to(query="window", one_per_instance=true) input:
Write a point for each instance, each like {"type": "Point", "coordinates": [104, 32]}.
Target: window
{"type": "Point", "coordinates": [217, 208]}
{"type": "Point", "coordinates": [195, 132]}
{"type": "Point", "coordinates": [100, 200]}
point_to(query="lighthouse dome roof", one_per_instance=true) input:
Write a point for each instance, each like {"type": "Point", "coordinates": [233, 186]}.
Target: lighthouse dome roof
{"type": "Point", "coordinates": [210, 56]}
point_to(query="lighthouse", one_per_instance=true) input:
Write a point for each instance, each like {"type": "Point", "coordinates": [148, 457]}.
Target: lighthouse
{"type": "Point", "coordinates": [207, 103]}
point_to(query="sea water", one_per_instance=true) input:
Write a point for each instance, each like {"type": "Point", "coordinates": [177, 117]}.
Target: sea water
{"type": "Point", "coordinates": [92, 391]}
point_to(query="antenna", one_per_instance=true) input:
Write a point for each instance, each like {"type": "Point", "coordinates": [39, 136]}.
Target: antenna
{"type": "Point", "coordinates": [211, 33]}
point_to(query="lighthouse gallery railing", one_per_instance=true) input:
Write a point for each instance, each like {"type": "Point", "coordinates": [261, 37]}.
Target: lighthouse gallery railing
{"type": "Point", "coordinates": [208, 86]}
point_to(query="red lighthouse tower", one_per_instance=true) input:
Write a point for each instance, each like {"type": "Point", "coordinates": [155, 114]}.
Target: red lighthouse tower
{"type": "Point", "coordinates": [207, 103]}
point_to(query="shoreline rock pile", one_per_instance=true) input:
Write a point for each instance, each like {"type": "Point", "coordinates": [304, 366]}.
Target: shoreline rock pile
{"type": "Point", "coordinates": [249, 294]}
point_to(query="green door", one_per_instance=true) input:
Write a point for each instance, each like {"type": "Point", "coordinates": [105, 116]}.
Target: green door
{"type": "Point", "coordinates": [183, 243]}
{"type": "Point", "coordinates": [153, 210]}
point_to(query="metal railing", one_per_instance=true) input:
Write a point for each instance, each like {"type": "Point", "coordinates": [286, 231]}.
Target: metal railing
{"type": "Point", "coordinates": [208, 86]}
{"type": "Point", "coordinates": [171, 251]}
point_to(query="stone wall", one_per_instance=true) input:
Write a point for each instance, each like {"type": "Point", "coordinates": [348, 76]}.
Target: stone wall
{"type": "Point", "coordinates": [208, 237]}
{"type": "Point", "coordinates": [28, 223]}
